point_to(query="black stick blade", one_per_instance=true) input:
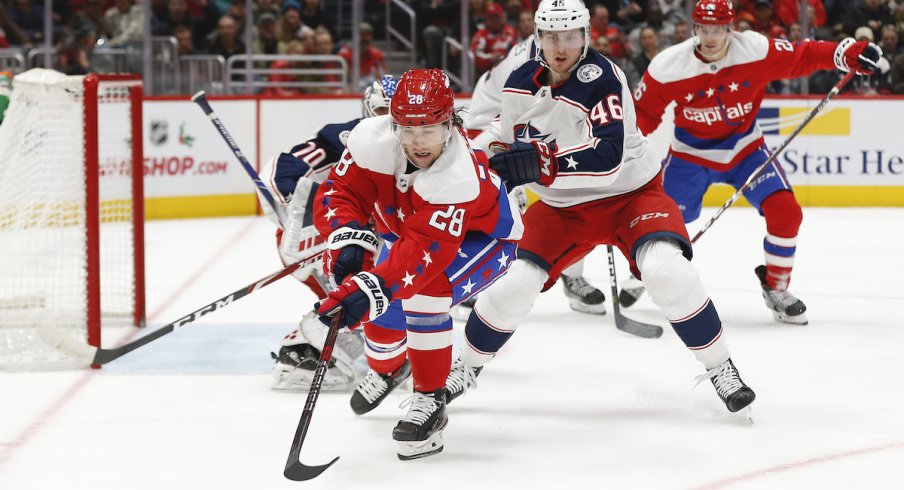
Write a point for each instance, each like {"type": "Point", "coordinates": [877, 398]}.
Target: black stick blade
{"type": "Point", "coordinates": [298, 471]}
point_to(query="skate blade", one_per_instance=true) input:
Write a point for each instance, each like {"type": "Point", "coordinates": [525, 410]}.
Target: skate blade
{"type": "Point", "coordinates": [581, 307]}
{"type": "Point", "coordinates": [792, 320]}
{"type": "Point", "coordinates": [408, 450]}
{"type": "Point", "coordinates": [746, 413]}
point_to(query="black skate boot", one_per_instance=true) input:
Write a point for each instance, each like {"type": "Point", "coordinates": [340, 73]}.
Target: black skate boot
{"type": "Point", "coordinates": [729, 386]}
{"type": "Point", "coordinates": [420, 432]}
{"type": "Point", "coordinates": [375, 386]}
{"type": "Point", "coordinates": [583, 297]}
{"type": "Point", "coordinates": [785, 307]}
{"type": "Point", "coordinates": [461, 378]}
{"type": "Point", "coordinates": [631, 291]}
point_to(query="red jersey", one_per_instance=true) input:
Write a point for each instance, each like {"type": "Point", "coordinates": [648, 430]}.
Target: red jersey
{"type": "Point", "coordinates": [488, 47]}
{"type": "Point", "coordinates": [426, 213]}
{"type": "Point", "coordinates": [717, 102]}
{"type": "Point", "coordinates": [373, 62]}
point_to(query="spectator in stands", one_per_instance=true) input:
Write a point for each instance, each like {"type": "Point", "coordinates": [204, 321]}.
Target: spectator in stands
{"type": "Point", "coordinates": [763, 21]}
{"type": "Point", "coordinates": [626, 13]}
{"type": "Point", "coordinates": [525, 24]}
{"type": "Point", "coordinates": [237, 12]}
{"type": "Point", "coordinates": [185, 42]}
{"type": "Point", "coordinates": [225, 41]}
{"type": "Point", "coordinates": [649, 43]}
{"type": "Point", "coordinates": [10, 33]}
{"type": "Point", "coordinates": [870, 13]}
{"type": "Point", "coordinates": [265, 40]}
{"type": "Point", "coordinates": [175, 14]}
{"type": "Point", "coordinates": [29, 17]}
{"type": "Point", "coordinates": [788, 12]}
{"type": "Point", "coordinates": [889, 42]}
{"type": "Point", "coordinates": [91, 18]}
{"type": "Point", "coordinates": [306, 36]}
{"type": "Point", "coordinates": [278, 81]}
{"type": "Point", "coordinates": [680, 32]}
{"type": "Point", "coordinates": [290, 23]}
{"type": "Point", "coordinates": [323, 44]}
{"type": "Point", "coordinates": [897, 74]}
{"type": "Point", "coordinates": [372, 63]}
{"type": "Point", "coordinates": [312, 16]}
{"type": "Point", "coordinates": [744, 25]}
{"type": "Point", "coordinates": [490, 44]}
{"type": "Point", "coordinates": [73, 60]}
{"type": "Point", "coordinates": [438, 18]}
{"type": "Point", "coordinates": [126, 21]}
{"type": "Point", "coordinates": [600, 26]}
{"type": "Point", "coordinates": [654, 19]}
{"type": "Point", "coordinates": [264, 6]}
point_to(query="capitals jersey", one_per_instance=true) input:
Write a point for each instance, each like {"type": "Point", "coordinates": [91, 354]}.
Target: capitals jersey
{"type": "Point", "coordinates": [717, 102]}
{"type": "Point", "coordinates": [588, 121]}
{"type": "Point", "coordinates": [486, 101]}
{"type": "Point", "coordinates": [427, 213]}
{"type": "Point", "coordinates": [314, 158]}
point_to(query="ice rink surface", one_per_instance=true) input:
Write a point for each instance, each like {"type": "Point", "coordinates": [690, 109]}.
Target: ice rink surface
{"type": "Point", "coordinates": [569, 403]}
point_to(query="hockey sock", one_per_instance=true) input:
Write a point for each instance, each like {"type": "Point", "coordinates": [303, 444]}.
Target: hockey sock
{"type": "Point", "coordinates": [430, 354]}
{"type": "Point", "coordinates": [783, 218]}
{"type": "Point", "coordinates": [385, 348]}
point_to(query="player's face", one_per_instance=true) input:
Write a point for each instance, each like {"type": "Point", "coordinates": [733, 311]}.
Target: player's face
{"type": "Point", "coordinates": [423, 144]}
{"type": "Point", "coordinates": [713, 39]}
{"type": "Point", "coordinates": [562, 49]}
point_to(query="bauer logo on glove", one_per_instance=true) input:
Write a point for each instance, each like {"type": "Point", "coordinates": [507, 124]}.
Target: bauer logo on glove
{"type": "Point", "coordinates": [363, 297]}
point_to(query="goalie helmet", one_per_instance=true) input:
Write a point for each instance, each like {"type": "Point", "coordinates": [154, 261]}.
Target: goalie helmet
{"type": "Point", "coordinates": [561, 15]}
{"type": "Point", "coordinates": [713, 12]}
{"type": "Point", "coordinates": [423, 98]}
{"type": "Point", "coordinates": [378, 95]}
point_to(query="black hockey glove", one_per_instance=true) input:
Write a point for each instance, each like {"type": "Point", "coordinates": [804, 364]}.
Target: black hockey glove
{"type": "Point", "coordinates": [350, 249]}
{"type": "Point", "coordinates": [524, 163]}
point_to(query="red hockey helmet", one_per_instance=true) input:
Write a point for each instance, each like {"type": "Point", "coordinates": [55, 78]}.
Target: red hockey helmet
{"type": "Point", "coordinates": [713, 12]}
{"type": "Point", "coordinates": [422, 98]}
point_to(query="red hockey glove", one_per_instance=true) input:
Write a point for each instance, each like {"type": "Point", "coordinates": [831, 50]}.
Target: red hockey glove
{"type": "Point", "coordinates": [524, 163]}
{"type": "Point", "coordinates": [859, 55]}
{"type": "Point", "coordinates": [350, 249]}
{"type": "Point", "coordinates": [362, 298]}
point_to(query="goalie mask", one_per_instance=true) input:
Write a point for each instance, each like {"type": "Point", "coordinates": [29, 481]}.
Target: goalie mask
{"type": "Point", "coordinates": [558, 17]}
{"type": "Point", "coordinates": [378, 95]}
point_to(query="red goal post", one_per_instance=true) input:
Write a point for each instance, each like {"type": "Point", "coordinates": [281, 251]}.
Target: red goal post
{"type": "Point", "coordinates": [71, 212]}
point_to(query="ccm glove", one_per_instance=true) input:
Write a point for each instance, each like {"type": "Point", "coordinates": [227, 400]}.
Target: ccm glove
{"type": "Point", "coordinates": [350, 249]}
{"type": "Point", "coordinates": [362, 298]}
{"type": "Point", "coordinates": [524, 163]}
{"type": "Point", "coordinates": [859, 55]}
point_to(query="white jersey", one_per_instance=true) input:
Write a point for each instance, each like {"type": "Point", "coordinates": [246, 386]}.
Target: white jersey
{"type": "Point", "coordinates": [486, 101]}
{"type": "Point", "coordinates": [589, 122]}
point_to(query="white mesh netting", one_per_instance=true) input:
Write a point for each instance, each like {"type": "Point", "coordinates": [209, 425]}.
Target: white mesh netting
{"type": "Point", "coordinates": [44, 279]}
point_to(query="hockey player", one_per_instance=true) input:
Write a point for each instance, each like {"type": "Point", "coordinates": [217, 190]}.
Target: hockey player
{"type": "Point", "coordinates": [449, 230]}
{"type": "Point", "coordinates": [569, 125]}
{"type": "Point", "coordinates": [293, 177]}
{"type": "Point", "coordinates": [717, 80]}
{"type": "Point", "coordinates": [484, 109]}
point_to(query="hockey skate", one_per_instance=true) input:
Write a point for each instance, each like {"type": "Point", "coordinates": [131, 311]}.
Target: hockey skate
{"type": "Point", "coordinates": [729, 386]}
{"type": "Point", "coordinates": [375, 387]}
{"type": "Point", "coordinates": [462, 310]}
{"type": "Point", "coordinates": [583, 297]}
{"type": "Point", "coordinates": [784, 305]}
{"type": "Point", "coordinates": [461, 378]}
{"type": "Point", "coordinates": [298, 358]}
{"type": "Point", "coordinates": [631, 291]}
{"type": "Point", "coordinates": [420, 432]}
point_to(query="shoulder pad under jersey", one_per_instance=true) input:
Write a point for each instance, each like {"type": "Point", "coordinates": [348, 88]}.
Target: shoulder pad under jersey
{"type": "Point", "coordinates": [373, 146]}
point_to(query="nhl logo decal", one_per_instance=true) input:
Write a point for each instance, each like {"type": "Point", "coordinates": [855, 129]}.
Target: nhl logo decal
{"type": "Point", "coordinates": [589, 73]}
{"type": "Point", "coordinates": [159, 132]}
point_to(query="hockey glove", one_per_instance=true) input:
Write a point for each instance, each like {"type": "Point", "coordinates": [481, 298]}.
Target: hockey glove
{"type": "Point", "coordinates": [350, 249]}
{"type": "Point", "coordinates": [362, 298]}
{"type": "Point", "coordinates": [860, 55]}
{"type": "Point", "coordinates": [524, 163]}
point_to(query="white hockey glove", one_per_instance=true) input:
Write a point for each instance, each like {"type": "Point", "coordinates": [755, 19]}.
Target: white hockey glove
{"type": "Point", "coordinates": [858, 55]}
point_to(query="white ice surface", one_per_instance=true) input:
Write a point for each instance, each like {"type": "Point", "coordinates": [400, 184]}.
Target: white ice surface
{"type": "Point", "coordinates": [570, 402]}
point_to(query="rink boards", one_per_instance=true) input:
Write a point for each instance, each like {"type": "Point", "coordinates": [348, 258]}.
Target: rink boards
{"type": "Point", "coordinates": [850, 155]}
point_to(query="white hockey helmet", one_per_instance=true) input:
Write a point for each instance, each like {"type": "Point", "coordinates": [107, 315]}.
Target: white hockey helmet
{"type": "Point", "coordinates": [561, 15]}
{"type": "Point", "coordinates": [378, 95]}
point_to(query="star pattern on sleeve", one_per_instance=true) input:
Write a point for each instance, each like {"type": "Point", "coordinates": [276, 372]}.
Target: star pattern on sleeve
{"type": "Point", "coordinates": [400, 214]}
{"type": "Point", "coordinates": [503, 261]}
{"type": "Point", "coordinates": [572, 163]}
{"type": "Point", "coordinates": [408, 279]}
{"type": "Point", "coordinates": [467, 287]}
{"type": "Point", "coordinates": [426, 258]}
{"type": "Point", "coordinates": [330, 212]}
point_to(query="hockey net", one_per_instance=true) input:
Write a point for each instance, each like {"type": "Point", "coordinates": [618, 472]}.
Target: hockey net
{"type": "Point", "coordinates": [71, 213]}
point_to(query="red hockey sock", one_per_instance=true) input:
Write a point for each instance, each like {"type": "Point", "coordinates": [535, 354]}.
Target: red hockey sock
{"type": "Point", "coordinates": [385, 348]}
{"type": "Point", "coordinates": [783, 218]}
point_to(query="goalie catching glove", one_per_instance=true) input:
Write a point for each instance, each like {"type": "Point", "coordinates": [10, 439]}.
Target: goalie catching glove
{"type": "Point", "coordinates": [524, 163]}
{"type": "Point", "coordinates": [350, 249]}
{"type": "Point", "coordinates": [859, 55]}
{"type": "Point", "coordinates": [362, 298]}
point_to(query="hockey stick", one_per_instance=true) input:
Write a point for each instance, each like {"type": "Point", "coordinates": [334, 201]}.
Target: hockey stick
{"type": "Point", "coordinates": [622, 322]}
{"type": "Point", "coordinates": [295, 469]}
{"type": "Point", "coordinates": [734, 197]}
{"type": "Point", "coordinates": [200, 98]}
{"type": "Point", "coordinates": [97, 355]}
